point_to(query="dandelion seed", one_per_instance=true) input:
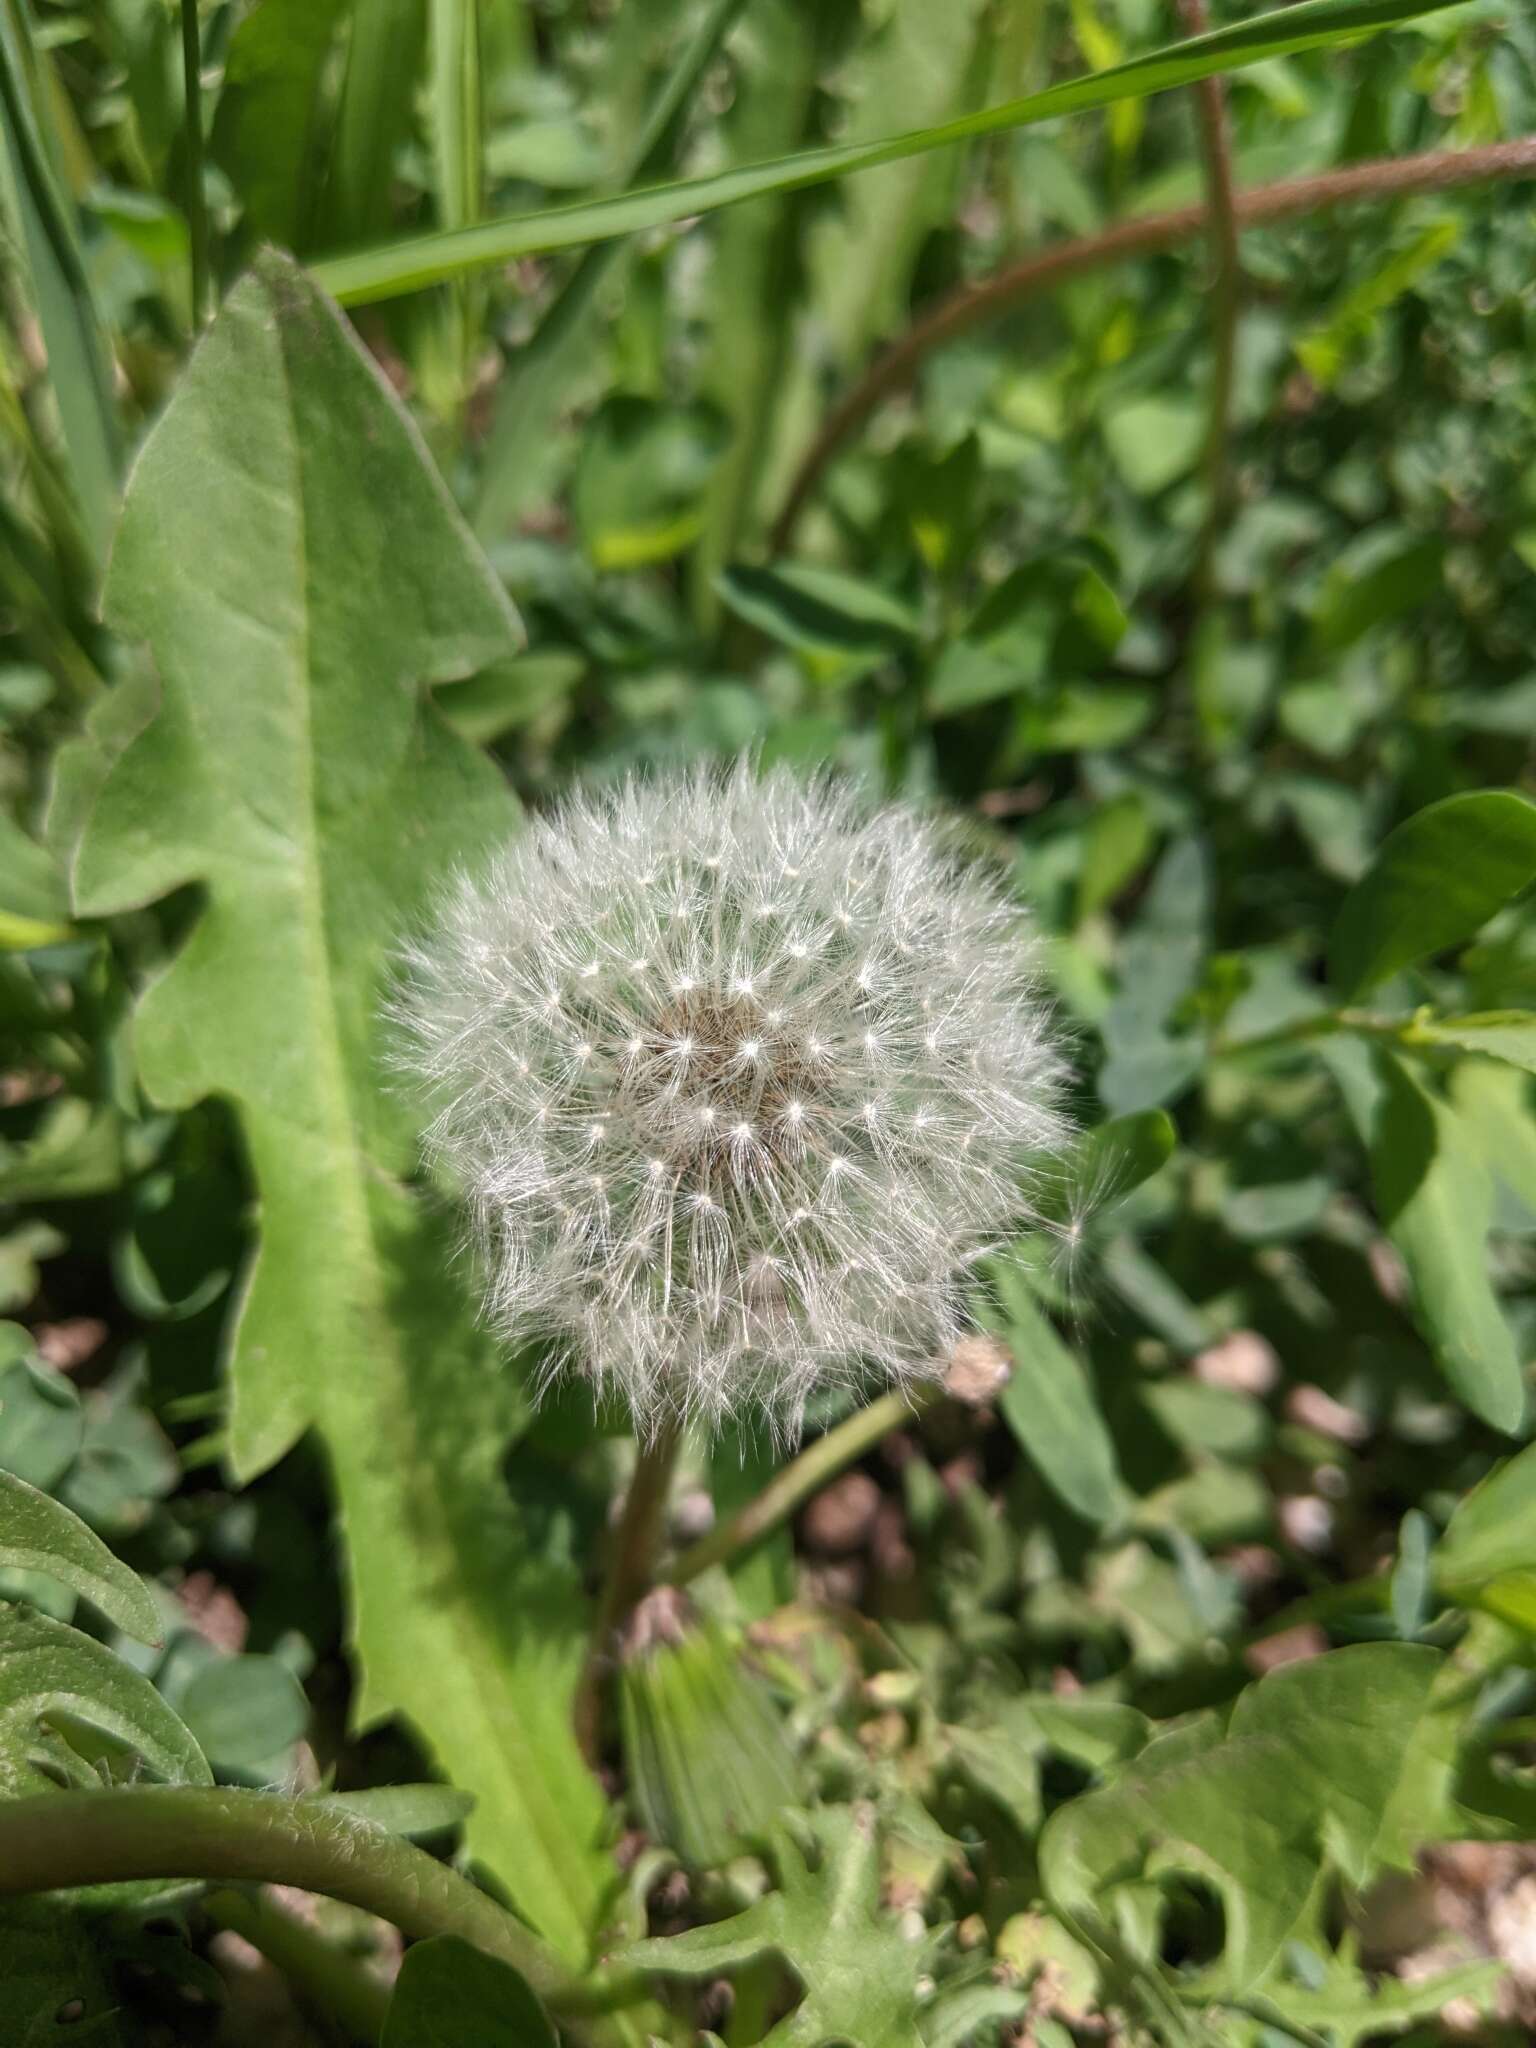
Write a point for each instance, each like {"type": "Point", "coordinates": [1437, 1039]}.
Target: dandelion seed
{"type": "Point", "coordinates": [764, 1224]}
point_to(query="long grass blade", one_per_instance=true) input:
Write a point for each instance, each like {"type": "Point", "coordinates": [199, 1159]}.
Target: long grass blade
{"type": "Point", "coordinates": [41, 220]}
{"type": "Point", "coordinates": [429, 259]}
{"type": "Point", "coordinates": [374, 116]}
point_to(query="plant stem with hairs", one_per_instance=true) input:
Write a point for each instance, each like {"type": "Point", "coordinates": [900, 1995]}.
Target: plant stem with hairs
{"type": "Point", "coordinates": [975, 304]}
{"type": "Point", "coordinates": [57, 1840]}
{"type": "Point", "coordinates": [631, 1570]}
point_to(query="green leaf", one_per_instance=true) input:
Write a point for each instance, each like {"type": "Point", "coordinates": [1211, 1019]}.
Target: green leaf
{"type": "Point", "coordinates": [1154, 441]}
{"type": "Point", "coordinates": [50, 1962]}
{"type": "Point", "coordinates": [1378, 580]}
{"type": "Point", "coordinates": [1412, 1575]}
{"type": "Point", "coordinates": [409, 1810]}
{"type": "Point", "coordinates": [1438, 877]}
{"type": "Point", "coordinates": [373, 116]}
{"type": "Point", "coordinates": [300, 574]}
{"type": "Point", "coordinates": [270, 130]}
{"type": "Point", "coordinates": [244, 1710]}
{"type": "Point", "coordinates": [1508, 1035]}
{"type": "Point", "coordinates": [845, 621]}
{"type": "Point", "coordinates": [408, 266]}
{"type": "Point", "coordinates": [511, 694]}
{"type": "Point", "coordinates": [40, 227]}
{"type": "Point", "coordinates": [1365, 2009]}
{"type": "Point", "coordinates": [41, 1425]}
{"type": "Point", "coordinates": [1300, 1776]}
{"type": "Point", "coordinates": [539, 375]}
{"type": "Point", "coordinates": [1102, 1167]}
{"type": "Point", "coordinates": [450, 1995]}
{"type": "Point", "coordinates": [1002, 1757]}
{"type": "Point", "coordinates": [34, 904]}
{"type": "Point", "coordinates": [61, 1692]}
{"type": "Point", "coordinates": [859, 1970]}
{"type": "Point", "coordinates": [1048, 1402]}
{"type": "Point", "coordinates": [1435, 1198]}
{"type": "Point", "coordinates": [1487, 1555]}
{"type": "Point", "coordinates": [1119, 838]}
{"type": "Point", "coordinates": [639, 489]}
{"type": "Point", "coordinates": [1325, 349]}
{"type": "Point", "coordinates": [39, 1535]}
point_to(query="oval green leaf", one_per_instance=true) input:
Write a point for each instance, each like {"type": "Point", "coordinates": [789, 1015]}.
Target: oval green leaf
{"type": "Point", "coordinates": [449, 1995]}
{"type": "Point", "coordinates": [245, 1710]}
{"type": "Point", "coordinates": [1436, 1202]}
{"type": "Point", "coordinates": [37, 1534]}
{"type": "Point", "coordinates": [1435, 880]}
{"type": "Point", "coordinates": [1049, 1405]}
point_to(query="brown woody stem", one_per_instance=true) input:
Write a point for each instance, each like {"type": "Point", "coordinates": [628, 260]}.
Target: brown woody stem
{"type": "Point", "coordinates": [1290, 198]}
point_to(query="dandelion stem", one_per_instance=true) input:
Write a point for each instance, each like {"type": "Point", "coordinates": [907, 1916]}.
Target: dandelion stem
{"type": "Point", "coordinates": [803, 1476]}
{"type": "Point", "coordinates": [57, 1840]}
{"type": "Point", "coordinates": [630, 1573]}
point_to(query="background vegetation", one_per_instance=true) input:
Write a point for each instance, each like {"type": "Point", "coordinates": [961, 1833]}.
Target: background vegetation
{"type": "Point", "coordinates": [1157, 488]}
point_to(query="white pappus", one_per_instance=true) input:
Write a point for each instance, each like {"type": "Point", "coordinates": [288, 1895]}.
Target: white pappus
{"type": "Point", "coordinates": [739, 1076]}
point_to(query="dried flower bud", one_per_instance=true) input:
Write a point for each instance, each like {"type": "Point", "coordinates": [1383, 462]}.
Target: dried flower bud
{"type": "Point", "coordinates": [739, 1077]}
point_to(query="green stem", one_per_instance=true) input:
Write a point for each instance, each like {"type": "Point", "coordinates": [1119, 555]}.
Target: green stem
{"type": "Point", "coordinates": [323, 1975]}
{"type": "Point", "coordinates": [1221, 219]}
{"type": "Point", "coordinates": [631, 1571]}
{"type": "Point", "coordinates": [1324, 1024]}
{"type": "Point", "coordinates": [57, 1840]}
{"type": "Point", "coordinates": [800, 1478]}
{"type": "Point", "coordinates": [197, 209]}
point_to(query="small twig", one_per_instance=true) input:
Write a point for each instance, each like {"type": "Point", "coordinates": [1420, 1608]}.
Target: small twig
{"type": "Point", "coordinates": [803, 1476]}
{"type": "Point", "coordinates": [336, 1984]}
{"type": "Point", "coordinates": [1226, 284]}
{"type": "Point", "coordinates": [973, 305]}
{"type": "Point", "coordinates": [197, 207]}
{"type": "Point", "coordinates": [630, 1574]}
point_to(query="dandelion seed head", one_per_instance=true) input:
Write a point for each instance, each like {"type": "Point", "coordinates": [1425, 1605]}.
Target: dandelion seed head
{"type": "Point", "coordinates": [812, 1123]}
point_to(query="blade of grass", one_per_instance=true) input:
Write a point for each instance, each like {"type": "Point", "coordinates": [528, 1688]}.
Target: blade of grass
{"type": "Point", "coordinates": [41, 223]}
{"type": "Point", "coordinates": [453, 40]}
{"type": "Point", "coordinates": [537, 380]}
{"type": "Point", "coordinates": [1226, 285]}
{"type": "Point", "coordinates": [384, 55]}
{"type": "Point", "coordinates": [197, 201]}
{"type": "Point", "coordinates": [428, 259]}
{"type": "Point", "coordinates": [755, 281]}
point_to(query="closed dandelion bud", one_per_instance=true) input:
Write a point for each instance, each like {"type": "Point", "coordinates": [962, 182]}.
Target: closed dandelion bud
{"type": "Point", "coordinates": [706, 1755]}
{"type": "Point", "coordinates": [740, 1077]}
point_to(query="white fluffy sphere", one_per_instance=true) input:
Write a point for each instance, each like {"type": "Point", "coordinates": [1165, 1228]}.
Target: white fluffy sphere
{"type": "Point", "coordinates": [739, 1076]}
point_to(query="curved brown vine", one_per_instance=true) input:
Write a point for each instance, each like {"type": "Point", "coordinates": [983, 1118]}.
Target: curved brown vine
{"type": "Point", "coordinates": [972, 305]}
